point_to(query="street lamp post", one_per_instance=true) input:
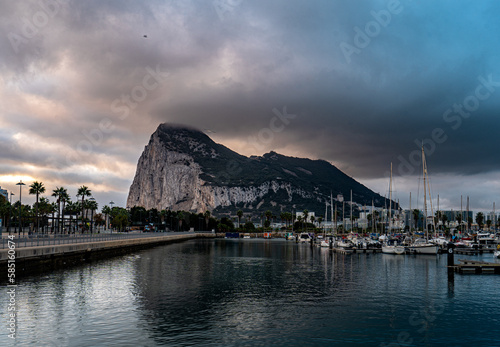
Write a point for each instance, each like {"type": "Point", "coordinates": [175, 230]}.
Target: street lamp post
{"type": "Point", "coordinates": [111, 203]}
{"type": "Point", "coordinates": [20, 184]}
{"type": "Point", "coordinates": [10, 212]}
{"type": "Point", "coordinates": [91, 215]}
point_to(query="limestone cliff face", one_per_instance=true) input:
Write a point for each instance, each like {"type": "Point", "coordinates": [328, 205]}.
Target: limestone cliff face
{"type": "Point", "coordinates": [167, 179]}
{"type": "Point", "coordinates": [183, 169]}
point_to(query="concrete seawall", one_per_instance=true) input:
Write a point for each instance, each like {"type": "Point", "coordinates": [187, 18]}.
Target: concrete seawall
{"type": "Point", "coordinates": [32, 260]}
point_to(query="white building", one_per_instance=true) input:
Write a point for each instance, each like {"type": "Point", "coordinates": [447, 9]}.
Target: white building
{"type": "Point", "coordinates": [309, 216]}
{"type": "Point", "coordinates": [5, 193]}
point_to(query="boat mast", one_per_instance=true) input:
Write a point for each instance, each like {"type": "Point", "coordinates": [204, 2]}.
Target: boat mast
{"type": "Point", "coordinates": [494, 218]}
{"type": "Point", "coordinates": [326, 217]}
{"type": "Point", "coordinates": [439, 216]}
{"type": "Point", "coordinates": [390, 201]}
{"type": "Point", "coordinates": [461, 216]}
{"type": "Point", "coordinates": [331, 209]}
{"type": "Point", "coordinates": [364, 212]}
{"type": "Point", "coordinates": [467, 219]}
{"type": "Point", "coordinates": [373, 219]}
{"type": "Point", "coordinates": [425, 192]}
{"type": "Point", "coordinates": [411, 214]}
{"type": "Point", "coordinates": [335, 218]}
{"type": "Point", "coordinates": [343, 216]}
{"type": "Point", "coordinates": [350, 217]}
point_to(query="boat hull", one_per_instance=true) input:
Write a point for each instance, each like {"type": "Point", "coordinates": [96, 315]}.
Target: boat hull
{"type": "Point", "coordinates": [325, 243]}
{"type": "Point", "coordinates": [424, 249]}
{"type": "Point", "coordinates": [393, 249]}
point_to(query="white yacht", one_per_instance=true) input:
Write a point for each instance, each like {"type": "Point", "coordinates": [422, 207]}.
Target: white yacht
{"type": "Point", "coordinates": [392, 249]}
{"type": "Point", "coordinates": [305, 237]}
{"type": "Point", "coordinates": [421, 246]}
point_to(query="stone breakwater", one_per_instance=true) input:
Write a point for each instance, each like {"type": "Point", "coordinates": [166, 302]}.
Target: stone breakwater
{"type": "Point", "coordinates": [34, 260]}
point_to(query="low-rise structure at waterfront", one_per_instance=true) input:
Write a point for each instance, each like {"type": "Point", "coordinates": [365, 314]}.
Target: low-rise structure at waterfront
{"type": "Point", "coordinates": [5, 193]}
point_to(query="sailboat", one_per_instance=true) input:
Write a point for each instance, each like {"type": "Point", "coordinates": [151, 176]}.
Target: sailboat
{"type": "Point", "coordinates": [325, 242]}
{"type": "Point", "coordinates": [389, 247]}
{"type": "Point", "coordinates": [422, 245]}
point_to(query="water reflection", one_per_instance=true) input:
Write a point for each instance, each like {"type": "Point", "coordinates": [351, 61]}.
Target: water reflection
{"type": "Point", "coordinates": [255, 292]}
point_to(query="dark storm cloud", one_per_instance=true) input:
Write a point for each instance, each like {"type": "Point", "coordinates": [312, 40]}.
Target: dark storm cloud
{"type": "Point", "coordinates": [392, 95]}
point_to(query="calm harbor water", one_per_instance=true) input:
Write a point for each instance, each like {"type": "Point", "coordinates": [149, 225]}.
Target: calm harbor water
{"type": "Point", "coordinates": [256, 293]}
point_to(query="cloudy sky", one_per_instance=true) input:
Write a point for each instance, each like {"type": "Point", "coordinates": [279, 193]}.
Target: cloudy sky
{"type": "Point", "coordinates": [358, 83]}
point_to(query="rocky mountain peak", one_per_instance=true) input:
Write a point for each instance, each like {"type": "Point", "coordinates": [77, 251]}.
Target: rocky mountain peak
{"type": "Point", "coordinates": [182, 168]}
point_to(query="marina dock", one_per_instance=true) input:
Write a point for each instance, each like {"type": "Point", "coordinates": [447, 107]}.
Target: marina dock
{"type": "Point", "coordinates": [356, 250]}
{"type": "Point", "coordinates": [468, 266]}
{"type": "Point", "coordinates": [473, 251]}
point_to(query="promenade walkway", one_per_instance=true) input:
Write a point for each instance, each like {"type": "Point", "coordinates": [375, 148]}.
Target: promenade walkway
{"type": "Point", "coordinates": [36, 240]}
{"type": "Point", "coordinates": [32, 247]}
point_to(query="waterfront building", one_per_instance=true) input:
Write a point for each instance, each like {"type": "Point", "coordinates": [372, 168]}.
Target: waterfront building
{"type": "Point", "coordinates": [309, 216]}
{"type": "Point", "coordinates": [493, 217]}
{"type": "Point", "coordinates": [5, 193]}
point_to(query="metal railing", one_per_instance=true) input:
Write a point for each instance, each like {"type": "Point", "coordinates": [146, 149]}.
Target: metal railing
{"type": "Point", "coordinates": [36, 240]}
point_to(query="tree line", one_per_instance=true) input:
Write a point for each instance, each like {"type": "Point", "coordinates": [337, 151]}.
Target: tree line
{"type": "Point", "coordinates": [67, 216]}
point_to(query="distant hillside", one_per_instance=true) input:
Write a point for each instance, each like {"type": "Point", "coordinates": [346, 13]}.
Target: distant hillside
{"type": "Point", "coordinates": [183, 169]}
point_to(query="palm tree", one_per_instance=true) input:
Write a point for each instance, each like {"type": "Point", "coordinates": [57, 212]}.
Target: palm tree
{"type": "Point", "coordinates": [99, 219]}
{"type": "Point", "coordinates": [299, 219]}
{"type": "Point", "coordinates": [72, 209]}
{"type": "Point", "coordinates": [416, 215]}
{"type": "Point", "coordinates": [480, 219]}
{"type": "Point", "coordinates": [60, 194]}
{"type": "Point", "coordinates": [92, 206]}
{"type": "Point", "coordinates": [44, 208]}
{"type": "Point", "coordinates": [239, 214]}
{"type": "Point", "coordinates": [305, 214]}
{"type": "Point", "coordinates": [83, 191]}
{"type": "Point", "coordinates": [268, 215]}
{"type": "Point", "coordinates": [4, 209]}
{"type": "Point", "coordinates": [283, 218]}
{"type": "Point", "coordinates": [120, 217]}
{"type": "Point", "coordinates": [37, 188]}
{"type": "Point", "coordinates": [64, 197]}
{"type": "Point", "coordinates": [180, 216]}
{"type": "Point", "coordinates": [207, 218]}
{"type": "Point", "coordinates": [52, 209]}
{"type": "Point", "coordinates": [107, 211]}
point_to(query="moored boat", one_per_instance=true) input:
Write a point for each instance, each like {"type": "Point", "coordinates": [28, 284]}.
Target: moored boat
{"type": "Point", "coordinates": [421, 246]}
{"type": "Point", "coordinates": [392, 249]}
{"type": "Point", "coordinates": [390, 246]}
{"type": "Point", "coordinates": [305, 237]}
{"type": "Point", "coordinates": [325, 243]}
